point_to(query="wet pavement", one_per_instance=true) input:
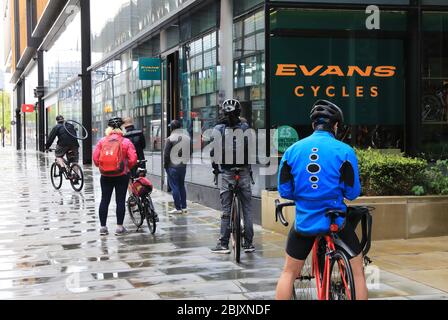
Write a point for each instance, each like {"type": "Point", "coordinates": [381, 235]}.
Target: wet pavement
{"type": "Point", "coordinates": [50, 248]}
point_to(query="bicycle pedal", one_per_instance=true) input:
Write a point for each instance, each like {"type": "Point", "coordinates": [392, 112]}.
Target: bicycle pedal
{"type": "Point", "coordinates": [367, 260]}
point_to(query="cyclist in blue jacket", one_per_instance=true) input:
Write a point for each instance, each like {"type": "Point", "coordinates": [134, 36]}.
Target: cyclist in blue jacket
{"type": "Point", "coordinates": [317, 173]}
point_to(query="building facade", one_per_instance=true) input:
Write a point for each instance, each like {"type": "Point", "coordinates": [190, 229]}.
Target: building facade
{"type": "Point", "coordinates": [388, 69]}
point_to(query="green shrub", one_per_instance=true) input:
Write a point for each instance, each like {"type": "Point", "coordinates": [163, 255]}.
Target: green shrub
{"type": "Point", "coordinates": [390, 174]}
{"type": "Point", "coordinates": [435, 179]}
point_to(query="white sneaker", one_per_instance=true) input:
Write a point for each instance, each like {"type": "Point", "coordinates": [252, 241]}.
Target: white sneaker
{"type": "Point", "coordinates": [185, 210]}
{"type": "Point", "coordinates": [175, 211]}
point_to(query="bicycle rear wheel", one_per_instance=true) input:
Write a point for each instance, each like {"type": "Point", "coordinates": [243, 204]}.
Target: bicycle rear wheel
{"type": "Point", "coordinates": [236, 229]}
{"type": "Point", "coordinates": [342, 286]}
{"type": "Point", "coordinates": [56, 176]}
{"type": "Point", "coordinates": [135, 210]}
{"type": "Point", "coordinates": [304, 288]}
{"type": "Point", "coordinates": [76, 177]}
{"type": "Point", "coordinates": [150, 215]}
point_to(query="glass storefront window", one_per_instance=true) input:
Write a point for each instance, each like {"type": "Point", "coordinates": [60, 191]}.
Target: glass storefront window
{"type": "Point", "coordinates": [249, 67]}
{"type": "Point", "coordinates": [198, 94]}
{"type": "Point", "coordinates": [363, 74]}
{"type": "Point", "coordinates": [62, 62]}
{"type": "Point", "coordinates": [434, 116]}
{"type": "Point", "coordinates": [121, 20]}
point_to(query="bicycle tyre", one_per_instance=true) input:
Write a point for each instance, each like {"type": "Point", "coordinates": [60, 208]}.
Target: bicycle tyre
{"type": "Point", "coordinates": [136, 216]}
{"type": "Point", "coordinates": [84, 130]}
{"type": "Point", "coordinates": [236, 230]}
{"type": "Point", "coordinates": [56, 180]}
{"type": "Point", "coordinates": [150, 216]}
{"type": "Point", "coordinates": [80, 177]}
{"type": "Point", "coordinates": [342, 285]}
{"type": "Point", "coordinates": [303, 288]}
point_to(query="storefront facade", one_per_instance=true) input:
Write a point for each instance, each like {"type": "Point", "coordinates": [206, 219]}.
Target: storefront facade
{"type": "Point", "coordinates": [391, 81]}
{"type": "Point", "coordinates": [284, 56]}
{"type": "Point", "coordinates": [388, 70]}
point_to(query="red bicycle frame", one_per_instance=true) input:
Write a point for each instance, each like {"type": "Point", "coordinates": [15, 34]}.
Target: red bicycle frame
{"type": "Point", "coordinates": [323, 285]}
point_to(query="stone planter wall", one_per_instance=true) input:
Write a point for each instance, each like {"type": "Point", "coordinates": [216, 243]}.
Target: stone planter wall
{"type": "Point", "coordinates": [393, 218]}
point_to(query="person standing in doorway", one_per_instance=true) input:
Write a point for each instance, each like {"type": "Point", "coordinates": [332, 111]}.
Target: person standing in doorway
{"type": "Point", "coordinates": [176, 166]}
{"type": "Point", "coordinates": [137, 138]}
{"type": "Point", "coordinates": [115, 156]}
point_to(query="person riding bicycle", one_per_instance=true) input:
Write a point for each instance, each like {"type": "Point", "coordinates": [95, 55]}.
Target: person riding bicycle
{"type": "Point", "coordinates": [67, 144]}
{"type": "Point", "coordinates": [317, 173]}
{"type": "Point", "coordinates": [230, 122]}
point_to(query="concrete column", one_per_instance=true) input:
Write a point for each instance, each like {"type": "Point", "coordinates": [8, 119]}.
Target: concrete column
{"type": "Point", "coordinates": [226, 50]}
{"type": "Point", "coordinates": [163, 41]}
{"type": "Point", "coordinates": [86, 61]}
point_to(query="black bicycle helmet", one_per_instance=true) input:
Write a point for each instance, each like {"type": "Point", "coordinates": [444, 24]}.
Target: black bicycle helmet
{"type": "Point", "coordinates": [324, 111]}
{"type": "Point", "coordinates": [115, 123]}
{"type": "Point", "coordinates": [230, 106]}
{"type": "Point", "coordinates": [60, 119]}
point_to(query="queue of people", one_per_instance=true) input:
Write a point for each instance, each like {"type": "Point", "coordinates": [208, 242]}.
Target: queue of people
{"type": "Point", "coordinates": [317, 172]}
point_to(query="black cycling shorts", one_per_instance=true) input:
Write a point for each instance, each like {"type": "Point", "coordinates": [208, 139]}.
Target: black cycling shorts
{"type": "Point", "coordinates": [299, 246]}
{"type": "Point", "coordinates": [72, 153]}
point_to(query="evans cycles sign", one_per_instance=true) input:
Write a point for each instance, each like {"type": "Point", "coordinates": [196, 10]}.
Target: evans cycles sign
{"type": "Point", "coordinates": [363, 76]}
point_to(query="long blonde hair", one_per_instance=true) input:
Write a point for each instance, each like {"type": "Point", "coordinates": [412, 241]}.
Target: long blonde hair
{"type": "Point", "coordinates": [111, 130]}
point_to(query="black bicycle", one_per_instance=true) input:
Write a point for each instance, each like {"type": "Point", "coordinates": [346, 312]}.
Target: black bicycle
{"type": "Point", "coordinates": [236, 217]}
{"type": "Point", "coordinates": [329, 262]}
{"type": "Point", "coordinates": [69, 171]}
{"type": "Point", "coordinates": [139, 203]}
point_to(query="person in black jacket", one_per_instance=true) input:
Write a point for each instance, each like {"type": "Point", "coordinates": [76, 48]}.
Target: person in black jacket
{"type": "Point", "coordinates": [67, 144]}
{"type": "Point", "coordinates": [176, 165]}
{"type": "Point", "coordinates": [137, 138]}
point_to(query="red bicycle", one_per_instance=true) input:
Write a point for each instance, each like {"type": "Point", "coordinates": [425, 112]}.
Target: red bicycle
{"type": "Point", "coordinates": [329, 265]}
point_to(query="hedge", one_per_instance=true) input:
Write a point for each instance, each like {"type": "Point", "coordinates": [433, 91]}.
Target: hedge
{"type": "Point", "coordinates": [390, 174]}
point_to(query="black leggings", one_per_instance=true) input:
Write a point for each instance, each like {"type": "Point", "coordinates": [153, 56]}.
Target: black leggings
{"type": "Point", "coordinates": [108, 184]}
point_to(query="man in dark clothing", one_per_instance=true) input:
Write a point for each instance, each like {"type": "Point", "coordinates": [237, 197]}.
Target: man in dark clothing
{"type": "Point", "coordinates": [226, 126]}
{"type": "Point", "coordinates": [138, 140]}
{"type": "Point", "coordinates": [176, 166]}
{"type": "Point", "coordinates": [67, 144]}
{"type": "Point", "coordinates": [136, 136]}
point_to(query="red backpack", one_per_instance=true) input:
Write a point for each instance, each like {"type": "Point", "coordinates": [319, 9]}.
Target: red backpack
{"type": "Point", "coordinates": [111, 156]}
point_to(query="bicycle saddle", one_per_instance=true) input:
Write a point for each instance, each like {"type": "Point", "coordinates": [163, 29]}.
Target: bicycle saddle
{"type": "Point", "coordinates": [333, 214]}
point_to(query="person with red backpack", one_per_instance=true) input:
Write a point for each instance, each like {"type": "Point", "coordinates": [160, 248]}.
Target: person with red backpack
{"type": "Point", "coordinates": [115, 156]}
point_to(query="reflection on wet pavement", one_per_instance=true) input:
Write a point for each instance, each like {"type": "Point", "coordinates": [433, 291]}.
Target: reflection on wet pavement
{"type": "Point", "coordinates": [50, 247]}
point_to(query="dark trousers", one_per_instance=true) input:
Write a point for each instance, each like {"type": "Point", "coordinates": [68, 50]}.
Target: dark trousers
{"type": "Point", "coordinates": [108, 184]}
{"type": "Point", "coordinates": [176, 181]}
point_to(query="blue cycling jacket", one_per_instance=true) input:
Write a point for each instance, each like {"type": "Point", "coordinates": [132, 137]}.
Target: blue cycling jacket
{"type": "Point", "coordinates": [317, 173]}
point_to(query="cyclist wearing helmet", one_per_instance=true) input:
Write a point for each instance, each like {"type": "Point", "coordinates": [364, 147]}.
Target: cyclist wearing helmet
{"type": "Point", "coordinates": [115, 156]}
{"type": "Point", "coordinates": [317, 173]}
{"type": "Point", "coordinates": [67, 144]}
{"type": "Point", "coordinates": [231, 110]}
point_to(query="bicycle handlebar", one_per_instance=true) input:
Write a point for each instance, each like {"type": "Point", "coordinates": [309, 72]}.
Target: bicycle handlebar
{"type": "Point", "coordinates": [279, 211]}
{"type": "Point", "coordinates": [366, 223]}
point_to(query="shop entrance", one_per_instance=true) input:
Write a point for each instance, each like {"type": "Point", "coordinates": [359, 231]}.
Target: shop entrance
{"type": "Point", "coordinates": [172, 97]}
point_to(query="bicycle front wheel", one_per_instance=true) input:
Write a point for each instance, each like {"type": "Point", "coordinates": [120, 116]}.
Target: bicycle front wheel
{"type": "Point", "coordinates": [76, 177]}
{"type": "Point", "coordinates": [56, 176]}
{"type": "Point", "coordinates": [135, 210]}
{"type": "Point", "coordinates": [150, 216]}
{"type": "Point", "coordinates": [342, 286]}
{"type": "Point", "coordinates": [236, 229]}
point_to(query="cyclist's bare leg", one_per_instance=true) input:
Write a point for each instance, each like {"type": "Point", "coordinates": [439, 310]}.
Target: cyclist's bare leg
{"type": "Point", "coordinates": [60, 162]}
{"type": "Point", "coordinates": [359, 278]}
{"type": "Point", "coordinates": [291, 271]}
